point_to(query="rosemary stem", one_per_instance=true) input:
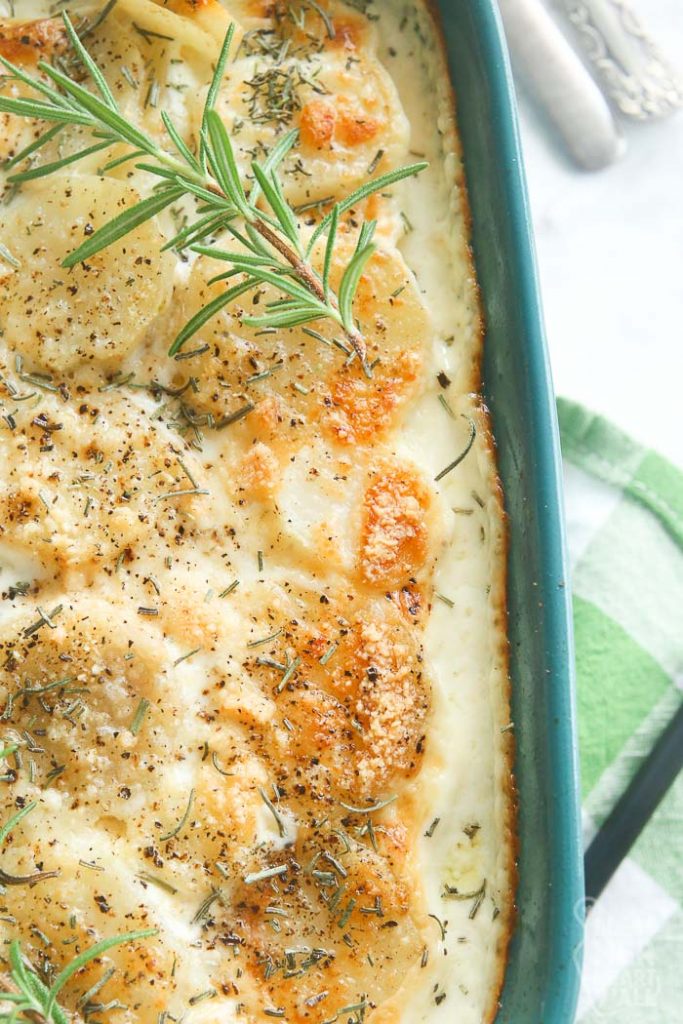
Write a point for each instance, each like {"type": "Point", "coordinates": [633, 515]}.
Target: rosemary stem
{"type": "Point", "coordinates": [309, 278]}
{"type": "Point", "coordinates": [303, 270]}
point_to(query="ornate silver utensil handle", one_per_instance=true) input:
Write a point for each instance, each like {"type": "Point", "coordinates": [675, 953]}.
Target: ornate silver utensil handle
{"type": "Point", "coordinates": [633, 72]}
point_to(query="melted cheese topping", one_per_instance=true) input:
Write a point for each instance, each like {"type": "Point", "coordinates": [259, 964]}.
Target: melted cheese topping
{"type": "Point", "coordinates": [253, 649]}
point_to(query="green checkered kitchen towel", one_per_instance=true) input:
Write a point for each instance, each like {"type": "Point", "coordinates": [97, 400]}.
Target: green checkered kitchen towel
{"type": "Point", "coordinates": [625, 529]}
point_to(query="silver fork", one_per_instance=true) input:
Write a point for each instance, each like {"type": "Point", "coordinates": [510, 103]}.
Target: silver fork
{"type": "Point", "coordinates": [631, 68]}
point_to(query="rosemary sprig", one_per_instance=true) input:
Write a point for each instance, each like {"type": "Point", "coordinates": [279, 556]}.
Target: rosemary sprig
{"type": "Point", "coordinates": [272, 252]}
{"type": "Point", "coordinates": [32, 1001]}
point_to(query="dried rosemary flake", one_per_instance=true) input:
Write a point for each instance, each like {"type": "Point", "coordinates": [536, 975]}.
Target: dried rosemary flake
{"type": "Point", "coordinates": [148, 34]}
{"type": "Point", "coordinates": [266, 639]}
{"type": "Point", "coordinates": [377, 909]}
{"type": "Point", "coordinates": [346, 914]}
{"type": "Point", "coordinates": [160, 883]}
{"type": "Point", "coordinates": [187, 473]}
{"type": "Point", "coordinates": [214, 760]}
{"type": "Point", "coordinates": [375, 161]}
{"type": "Point", "coordinates": [193, 352]}
{"type": "Point", "coordinates": [233, 417]}
{"type": "Point", "coordinates": [456, 462]}
{"type": "Point", "coordinates": [229, 589]}
{"type": "Point", "coordinates": [271, 663]}
{"type": "Point", "coordinates": [181, 824]}
{"type": "Point", "coordinates": [371, 809]}
{"type": "Point", "coordinates": [441, 924]}
{"type": "Point", "coordinates": [139, 715]}
{"type": "Point", "coordinates": [44, 620]}
{"type": "Point", "coordinates": [210, 993]}
{"type": "Point", "coordinates": [206, 904]}
{"type": "Point", "coordinates": [261, 876]}
{"type": "Point", "coordinates": [314, 1000]}
{"type": "Point", "coordinates": [444, 402]}
{"type": "Point", "coordinates": [274, 811]}
{"type": "Point", "coordinates": [291, 669]}
{"type": "Point", "coordinates": [182, 494]}
{"type": "Point", "coordinates": [337, 865]}
{"type": "Point", "coordinates": [94, 989]}
{"type": "Point", "coordinates": [152, 97]}
{"type": "Point", "coordinates": [328, 653]}
{"type": "Point", "coordinates": [91, 864]}
{"type": "Point", "coordinates": [184, 657]}
{"type": "Point", "coordinates": [118, 382]}
{"type": "Point", "coordinates": [452, 893]}
{"type": "Point", "coordinates": [7, 256]}
{"type": "Point", "coordinates": [264, 373]}
{"type": "Point", "coordinates": [128, 76]}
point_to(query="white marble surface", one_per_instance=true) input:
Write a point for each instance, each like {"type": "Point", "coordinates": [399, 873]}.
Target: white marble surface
{"type": "Point", "coordinates": [610, 250]}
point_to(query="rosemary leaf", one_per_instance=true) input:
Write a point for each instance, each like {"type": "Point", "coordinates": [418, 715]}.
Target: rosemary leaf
{"type": "Point", "coordinates": [124, 223]}
{"type": "Point", "coordinates": [181, 824]}
{"type": "Point", "coordinates": [45, 169]}
{"type": "Point", "coordinates": [371, 809]}
{"type": "Point", "coordinates": [456, 462]}
{"type": "Point", "coordinates": [139, 716]}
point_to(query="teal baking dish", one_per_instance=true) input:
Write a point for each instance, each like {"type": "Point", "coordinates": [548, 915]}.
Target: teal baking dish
{"type": "Point", "coordinates": [543, 972]}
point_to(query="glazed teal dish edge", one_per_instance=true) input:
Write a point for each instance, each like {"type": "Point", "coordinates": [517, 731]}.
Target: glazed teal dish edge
{"type": "Point", "coordinates": [542, 978]}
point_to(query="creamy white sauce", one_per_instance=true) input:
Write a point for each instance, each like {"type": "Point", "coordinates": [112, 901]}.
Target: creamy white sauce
{"type": "Point", "coordinates": [462, 785]}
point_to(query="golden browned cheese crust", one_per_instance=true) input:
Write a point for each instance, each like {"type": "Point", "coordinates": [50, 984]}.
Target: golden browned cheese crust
{"type": "Point", "coordinates": [224, 668]}
{"type": "Point", "coordinates": [31, 41]}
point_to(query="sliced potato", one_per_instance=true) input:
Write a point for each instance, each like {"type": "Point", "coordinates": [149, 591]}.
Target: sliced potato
{"type": "Point", "coordinates": [129, 76]}
{"type": "Point", "coordinates": [92, 315]}
{"type": "Point", "coordinates": [184, 740]}
{"type": "Point", "coordinates": [355, 699]}
{"type": "Point", "coordinates": [281, 377]}
{"type": "Point", "coordinates": [196, 27]}
{"type": "Point", "coordinates": [328, 921]}
{"type": "Point", "coordinates": [90, 665]}
{"type": "Point", "coordinates": [318, 504]}
{"type": "Point", "coordinates": [349, 117]}
{"type": "Point", "coordinates": [292, 74]}
{"type": "Point", "coordinates": [86, 483]}
{"type": "Point", "coordinates": [130, 817]}
{"type": "Point", "coordinates": [150, 54]}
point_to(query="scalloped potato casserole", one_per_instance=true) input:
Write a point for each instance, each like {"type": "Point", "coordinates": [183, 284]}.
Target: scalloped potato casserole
{"type": "Point", "coordinates": [253, 663]}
